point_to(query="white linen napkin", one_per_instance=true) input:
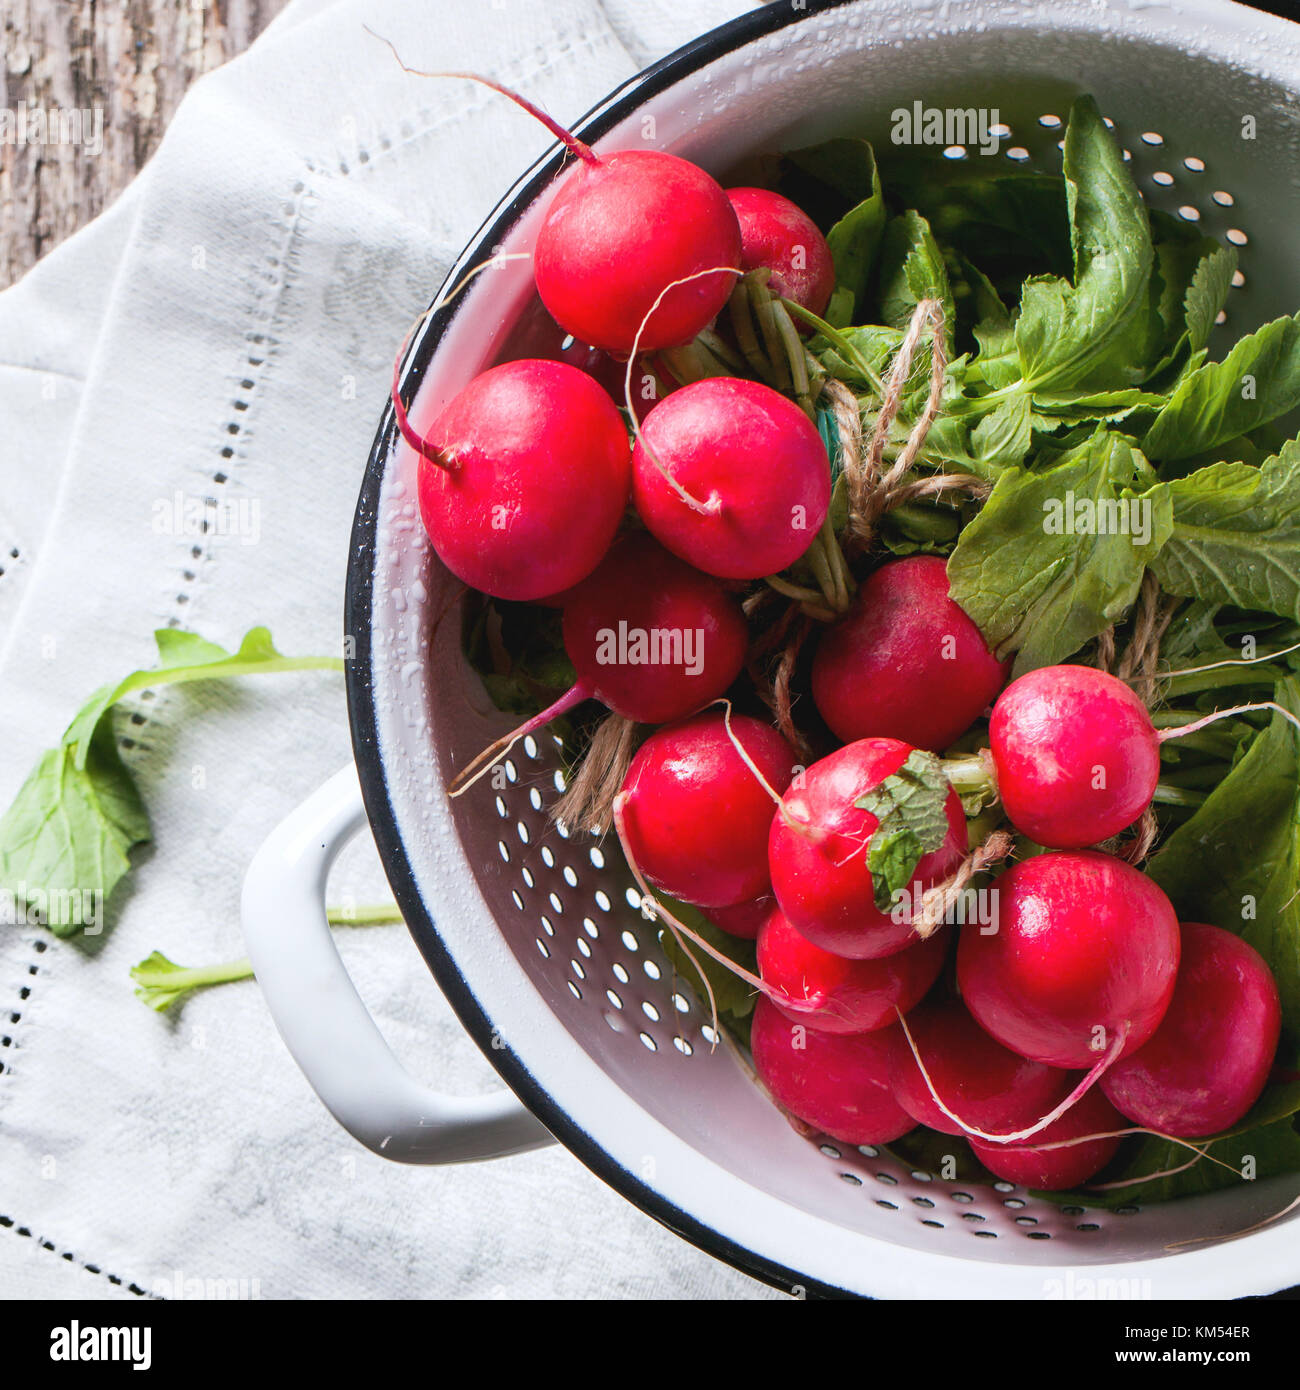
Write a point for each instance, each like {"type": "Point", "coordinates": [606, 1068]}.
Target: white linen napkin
{"type": "Point", "coordinates": [226, 331]}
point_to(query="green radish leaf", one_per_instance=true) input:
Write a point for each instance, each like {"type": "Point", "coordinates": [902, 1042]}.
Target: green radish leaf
{"type": "Point", "coordinates": [912, 269]}
{"type": "Point", "coordinates": [66, 838]}
{"type": "Point", "coordinates": [1002, 438]}
{"type": "Point", "coordinates": [910, 808]}
{"type": "Point", "coordinates": [1236, 862]}
{"type": "Point", "coordinates": [1057, 555]}
{"type": "Point", "coordinates": [1208, 293]}
{"type": "Point", "coordinates": [1257, 382]}
{"type": "Point", "coordinates": [1096, 331]}
{"type": "Point", "coordinates": [1236, 535]}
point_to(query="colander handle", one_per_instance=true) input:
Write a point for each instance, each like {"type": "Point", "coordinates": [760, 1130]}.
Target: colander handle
{"type": "Point", "coordinates": [321, 1017]}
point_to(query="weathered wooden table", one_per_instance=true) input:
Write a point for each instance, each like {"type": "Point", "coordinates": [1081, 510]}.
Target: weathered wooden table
{"type": "Point", "coordinates": [130, 59]}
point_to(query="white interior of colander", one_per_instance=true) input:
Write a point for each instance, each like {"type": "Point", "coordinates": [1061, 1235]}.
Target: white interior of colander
{"type": "Point", "coordinates": [548, 937]}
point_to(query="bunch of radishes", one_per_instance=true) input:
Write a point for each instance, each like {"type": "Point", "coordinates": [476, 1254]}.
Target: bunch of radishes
{"type": "Point", "coordinates": [1079, 1008]}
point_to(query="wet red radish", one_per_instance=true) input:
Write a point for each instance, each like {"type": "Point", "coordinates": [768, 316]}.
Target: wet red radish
{"type": "Point", "coordinates": [987, 1085]}
{"type": "Point", "coordinates": [817, 853]}
{"type": "Point", "coordinates": [1076, 755]}
{"type": "Point", "coordinates": [778, 234]}
{"type": "Point", "coordinates": [1207, 1062]}
{"type": "Point", "coordinates": [905, 661]}
{"type": "Point", "coordinates": [696, 816]}
{"type": "Point", "coordinates": [849, 996]}
{"type": "Point", "coordinates": [732, 476]}
{"type": "Point", "coordinates": [838, 1083]}
{"type": "Point", "coordinates": [1081, 963]}
{"type": "Point", "coordinates": [499, 469]}
{"type": "Point", "coordinates": [1032, 1164]}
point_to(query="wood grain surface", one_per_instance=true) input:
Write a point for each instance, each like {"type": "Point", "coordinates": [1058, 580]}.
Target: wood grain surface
{"type": "Point", "coordinates": [130, 59]}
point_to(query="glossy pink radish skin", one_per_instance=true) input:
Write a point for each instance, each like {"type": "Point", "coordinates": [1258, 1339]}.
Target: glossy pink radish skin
{"type": "Point", "coordinates": [696, 817]}
{"type": "Point", "coordinates": [1056, 1170]}
{"type": "Point", "coordinates": [1206, 1064]}
{"type": "Point", "coordinates": [1076, 754]}
{"type": "Point", "coordinates": [850, 996]}
{"type": "Point", "coordinates": [619, 231]}
{"type": "Point", "coordinates": [778, 234]}
{"type": "Point", "coordinates": [838, 1083]}
{"type": "Point", "coordinates": [516, 446]}
{"type": "Point", "coordinates": [743, 920]}
{"type": "Point", "coordinates": [640, 589]}
{"type": "Point", "coordinates": [755, 470]}
{"type": "Point", "coordinates": [1085, 947]}
{"type": "Point", "coordinates": [905, 661]}
{"type": "Point", "coordinates": [817, 853]}
{"type": "Point", "coordinates": [988, 1085]}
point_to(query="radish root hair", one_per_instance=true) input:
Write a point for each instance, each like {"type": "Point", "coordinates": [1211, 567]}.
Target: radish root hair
{"type": "Point", "coordinates": [1165, 734]}
{"type": "Point", "coordinates": [484, 762]}
{"type": "Point", "coordinates": [714, 505]}
{"type": "Point", "coordinates": [1084, 1086]}
{"type": "Point", "coordinates": [570, 141]}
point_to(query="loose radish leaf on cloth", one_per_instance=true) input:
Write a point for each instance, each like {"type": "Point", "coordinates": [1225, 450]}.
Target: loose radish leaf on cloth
{"type": "Point", "coordinates": [66, 838]}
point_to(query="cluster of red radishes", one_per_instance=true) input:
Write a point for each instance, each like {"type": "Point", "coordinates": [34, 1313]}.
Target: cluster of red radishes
{"type": "Point", "coordinates": [1081, 1008]}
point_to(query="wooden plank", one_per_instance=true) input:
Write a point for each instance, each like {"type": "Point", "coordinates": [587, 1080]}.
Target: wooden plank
{"type": "Point", "coordinates": [131, 59]}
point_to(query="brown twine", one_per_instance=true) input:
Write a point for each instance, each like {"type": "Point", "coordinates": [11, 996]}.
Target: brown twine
{"type": "Point", "coordinates": [872, 490]}
{"type": "Point", "coordinates": [1106, 649]}
{"type": "Point", "coordinates": [1141, 656]}
{"type": "Point", "coordinates": [588, 800]}
{"type": "Point", "coordinates": [1136, 849]}
{"type": "Point", "coordinates": [773, 683]}
{"type": "Point", "coordinates": [937, 902]}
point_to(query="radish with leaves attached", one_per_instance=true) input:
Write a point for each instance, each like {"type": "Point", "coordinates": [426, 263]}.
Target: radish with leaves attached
{"type": "Point", "coordinates": [779, 235]}
{"type": "Point", "coordinates": [857, 840]}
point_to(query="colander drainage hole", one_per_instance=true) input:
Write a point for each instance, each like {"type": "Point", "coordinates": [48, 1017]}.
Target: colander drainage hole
{"type": "Point", "coordinates": [1236, 236]}
{"type": "Point", "coordinates": [620, 974]}
{"type": "Point", "coordinates": [1088, 1226]}
{"type": "Point", "coordinates": [888, 1179]}
{"type": "Point", "coordinates": [926, 1221]}
{"type": "Point", "coordinates": [1004, 1187]}
{"type": "Point", "coordinates": [1014, 1202]}
{"type": "Point", "coordinates": [985, 1235]}
{"type": "Point", "coordinates": [651, 969]}
{"type": "Point", "coordinates": [596, 857]}
{"type": "Point", "coordinates": [574, 990]}
{"type": "Point", "coordinates": [868, 1151]}
{"type": "Point", "coordinates": [526, 874]}
{"type": "Point", "coordinates": [918, 1176]}
{"type": "Point", "coordinates": [570, 877]}
{"type": "Point", "coordinates": [1151, 137]}
{"type": "Point", "coordinates": [1049, 121]}
{"type": "Point", "coordinates": [1195, 163]}
{"type": "Point", "coordinates": [829, 1150]}
{"type": "Point", "coordinates": [1162, 178]}
{"type": "Point", "coordinates": [961, 1197]}
{"type": "Point", "coordinates": [576, 967]}
{"type": "Point", "coordinates": [888, 1206]}
{"type": "Point", "coordinates": [630, 941]}
{"type": "Point", "coordinates": [650, 1011]}
{"type": "Point", "coordinates": [683, 1047]}
{"type": "Point", "coordinates": [516, 899]}
{"type": "Point", "coordinates": [547, 857]}
{"type": "Point", "coordinates": [543, 948]}
{"type": "Point", "coordinates": [1073, 1211]}
{"type": "Point", "coordinates": [1039, 1235]}
{"type": "Point", "coordinates": [852, 1179]}
{"type": "Point", "coordinates": [633, 899]}
{"type": "Point", "coordinates": [648, 1042]}
{"type": "Point", "coordinates": [534, 798]}
{"type": "Point", "coordinates": [590, 928]}
{"type": "Point", "coordinates": [1224, 200]}
{"type": "Point", "coordinates": [504, 849]}
{"type": "Point", "coordinates": [583, 948]}
{"type": "Point", "coordinates": [971, 1216]}
{"type": "Point", "coordinates": [1018, 154]}
{"type": "Point", "coordinates": [547, 925]}
{"type": "Point", "coordinates": [922, 1202]}
{"type": "Point", "coordinates": [1026, 1221]}
{"type": "Point", "coordinates": [522, 831]}
{"type": "Point", "coordinates": [602, 900]}
{"type": "Point", "coordinates": [554, 900]}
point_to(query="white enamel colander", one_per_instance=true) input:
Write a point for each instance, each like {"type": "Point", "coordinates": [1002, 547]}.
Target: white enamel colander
{"type": "Point", "coordinates": [535, 938]}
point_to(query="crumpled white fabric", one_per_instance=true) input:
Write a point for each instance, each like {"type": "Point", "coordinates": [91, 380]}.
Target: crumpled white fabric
{"type": "Point", "coordinates": [226, 331]}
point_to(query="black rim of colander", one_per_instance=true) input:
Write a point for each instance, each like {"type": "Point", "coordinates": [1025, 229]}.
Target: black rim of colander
{"type": "Point", "coordinates": [623, 100]}
{"type": "Point", "coordinates": [360, 691]}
